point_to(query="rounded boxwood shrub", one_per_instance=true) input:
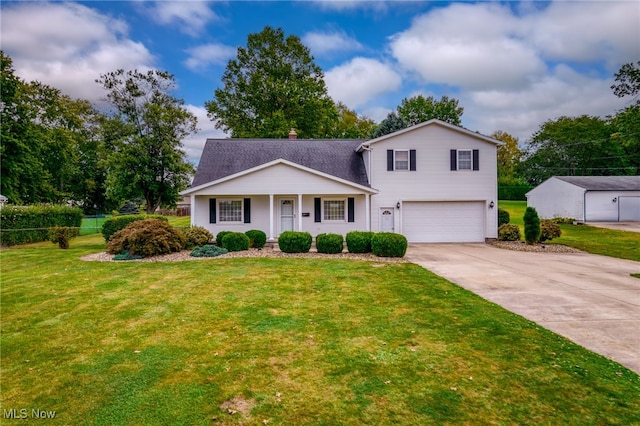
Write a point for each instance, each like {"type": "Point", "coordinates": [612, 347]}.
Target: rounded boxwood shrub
{"type": "Point", "coordinates": [148, 237]}
{"type": "Point", "coordinates": [389, 244]}
{"type": "Point", "coordinates": [359, 241]}
{"type": "Point", "coordinates": [257, 238]}
{"type": "Point", "coordinates": [503, 217]}
{"type": "Point", "coordinates": [196, 236]}
{"type": "Point", "coordinates": [531, 225]}
{"type": "Point", "coordinates": [220, 236]}
{"type": "Point", "coordinates": [329, 243]}
{"type": "Point", "coordinates": [235, 241]}
{"type": "Point", "coordinates": [295, 242]}
{"type": "Point", "coordinates": [208, 250]}
{"type": "Point", "coordinates": [509, 232]}
{"type": "Point", "coordinates": [549, 230]}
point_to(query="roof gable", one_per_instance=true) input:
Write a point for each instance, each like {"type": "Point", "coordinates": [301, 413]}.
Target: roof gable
{"type": "Point", "coordinates": [603, 183]}
{"type": "Point", "coordinates": [432, 122]}
{"type": "Point", "coordinates": [335, 157]}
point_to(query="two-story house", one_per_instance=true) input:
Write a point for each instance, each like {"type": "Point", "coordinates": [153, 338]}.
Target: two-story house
{"type": "Point", "coordinates": [433, 182]}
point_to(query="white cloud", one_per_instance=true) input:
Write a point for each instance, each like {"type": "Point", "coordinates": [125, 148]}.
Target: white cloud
{"type": "Point", "coordinates": [68, 46]}
{"type": "Point", "coordinates": [360, 80]}
{"type": "Point", "coordinates": [563, 92]}
{"type": "Point", "coordinates": [201, 57]}
{"type": "Point", "coordinates": [323, 43]}
{"type": "Point", "coordinates": [190, 17]}
{"type": "Point", "coordinates": [194, 144]}
{"type": "Point", "coordinates": [586, 31]}
{"type": "Point", "coordinates": [468, 45]}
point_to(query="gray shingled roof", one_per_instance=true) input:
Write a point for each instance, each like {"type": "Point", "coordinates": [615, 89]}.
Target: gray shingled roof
{"type": "Point", "coordinates": [225, 157]}
{"type": "Point", "coordinates": [604, 183]}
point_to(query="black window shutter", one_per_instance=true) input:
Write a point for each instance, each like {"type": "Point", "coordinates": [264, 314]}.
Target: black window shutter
{"type": "Point", "coordinates": [476, 159]}
{"type": "Point", "coordinates": [454, 159]}
{"type": "Point", "coordinates": [247, 210]}
{"type": "Point", "coordinates": [351, 209]}
{"type": "Point", "coordinates": [212, 210]}
{"type": "Point", "coordinates": [317, 211]}
{"type": "Point", "coordinates": [412, 160]}
{"type": "Point", "coordinates": [389, 160]}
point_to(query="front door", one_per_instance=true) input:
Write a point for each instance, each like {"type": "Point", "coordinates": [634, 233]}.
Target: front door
{"type": "Point", "coordinates": [386, 219]}
{"type": "Point", "coordinates": [286, 215]}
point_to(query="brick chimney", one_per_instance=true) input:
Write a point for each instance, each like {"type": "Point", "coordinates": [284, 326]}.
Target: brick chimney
{"type": "Point", "coordinates": [293, 135]}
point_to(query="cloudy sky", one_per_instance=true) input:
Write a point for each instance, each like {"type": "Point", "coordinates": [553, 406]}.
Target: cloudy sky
{"type": "Point", "coordinates": [513, 65]}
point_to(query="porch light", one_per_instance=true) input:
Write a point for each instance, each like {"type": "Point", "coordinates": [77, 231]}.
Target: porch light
{"type": "Point", "coordinates": [615, 200]}
{"type": "Point", "coordinates": [398, 205]}
{"type": "Point", "coordinates": [491, 205]}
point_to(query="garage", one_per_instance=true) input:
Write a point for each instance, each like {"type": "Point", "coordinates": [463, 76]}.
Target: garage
{"type": "Point", "coordinates": [443, 222]}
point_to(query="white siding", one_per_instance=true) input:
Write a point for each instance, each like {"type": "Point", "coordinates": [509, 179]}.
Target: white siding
{"type": "Point", "coordinates": [433, 179]}
{"type": "Point", "coordinates": [446, 222]}
{"type": "Point", "coordinates": [557, 198]}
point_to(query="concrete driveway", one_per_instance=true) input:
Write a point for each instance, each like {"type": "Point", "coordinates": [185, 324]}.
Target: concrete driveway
{"type": "Point", "coordinates": [589, 299]}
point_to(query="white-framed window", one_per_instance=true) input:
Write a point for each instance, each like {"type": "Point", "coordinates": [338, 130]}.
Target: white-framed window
{"type": "Point", "coordinates": [230, 211]}
{"type": "Point", "coordinates": [465, 159]}
{"type": "Point", "coordinates": [401, 159]}
{"type": "Point", "coordinates": [334, 210]}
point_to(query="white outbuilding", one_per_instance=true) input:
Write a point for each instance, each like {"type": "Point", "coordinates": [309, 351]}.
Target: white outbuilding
{"type": "Point", "coordinates": [588, 198]}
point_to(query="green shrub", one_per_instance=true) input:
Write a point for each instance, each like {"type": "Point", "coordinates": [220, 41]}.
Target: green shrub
{"type": "Point", "coordinates": [359, 241]}
{"type": "Point", "coordinates": [531, 225]}
{"type": "Point", "coordinates": [125, 255]}
{"type": "Point", "coordinates": [116, 223]}
{"type": "Point", "coordinates": [257, 238]}
{"type": "Point", "coordinates": [563, 220]}
{"type": "Point", "coordinates": [235, 241]}
{"type": "Point", "coordinates": [295, 242]}
{"type": "Point", "coordinates": [513, 192]}
{"type": "Point", "coordinates": [208, 251]}
{"type": "Point", "coordinates": [388, 244]}
{"type": "Point", "coordinates": [148, 237]}
{"type": "Point", "coordinates": [220, 236]}
{"type": "Point", "coordinates": [509, 232]}
{"type": "Point", "coordinates": [31, 224]}
{"type": "Point", "coordinates": [549, 230]}
{"type": "Point", "coordinates": [196, 236]}
{"type": "Point", "coordinates": [62, 234]}
{"type": "Point", "coordinates": [503, 217]}
{"type": "Point", "coordinates": [329, 243]}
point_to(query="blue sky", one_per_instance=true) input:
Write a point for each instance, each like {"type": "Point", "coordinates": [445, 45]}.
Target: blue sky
{"type": "Point", "coordinates": [512, 65]}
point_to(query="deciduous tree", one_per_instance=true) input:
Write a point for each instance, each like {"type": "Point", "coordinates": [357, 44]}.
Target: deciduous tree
{"type": "Point", "coordinates": [272, 86]}
{"type": "Point", "coordinates": [144, 134]}
{"type": "Point", "coordinates": [419, 109]}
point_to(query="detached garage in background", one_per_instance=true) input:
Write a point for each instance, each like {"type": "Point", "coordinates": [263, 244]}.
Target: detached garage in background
{"type": "Point", "coordinates": [588, 198]}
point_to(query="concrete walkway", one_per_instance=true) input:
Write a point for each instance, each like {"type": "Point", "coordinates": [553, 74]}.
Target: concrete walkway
{"type": "Point", "coordinates": [589, 299]}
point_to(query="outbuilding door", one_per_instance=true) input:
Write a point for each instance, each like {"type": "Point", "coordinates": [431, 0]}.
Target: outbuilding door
{"type": "Point", "coordinates": [629, 209]}
{"type": "Point", "coordinates": [443, 222]}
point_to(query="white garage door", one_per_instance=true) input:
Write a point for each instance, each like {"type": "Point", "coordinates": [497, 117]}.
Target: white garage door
{"type": "Point", "coordinates": [443, 222]}
{"type": "Point", "coordinates": [629, 208]}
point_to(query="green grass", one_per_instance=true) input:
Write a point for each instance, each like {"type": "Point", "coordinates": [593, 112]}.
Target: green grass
{"type": "Point", "coordinates": [607, 242]}
{"type": "Point", "coordinates": [289, 341]}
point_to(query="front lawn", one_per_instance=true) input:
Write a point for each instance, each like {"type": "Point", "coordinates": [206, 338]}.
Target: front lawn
{"type": "Point", "coordinates": [607, 242]}
{"type": "Point", "coordinates": [283, 341]}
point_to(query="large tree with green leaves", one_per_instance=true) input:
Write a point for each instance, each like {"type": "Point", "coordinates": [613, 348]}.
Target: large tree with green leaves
{"type": "Point", "coordinates": [350, 125]}
{"type": "Point", "coordinates": [47, 141]}
{"type": "Point", "coordinates": [574, 146]}
{"type": "Point", "coordinates": [272, 86]}
{"type": "Point", "coordinates": [509, 156]}
{"type": "Point", "coordinates": [419, 109]}
{"type": "Point", "coordinates": [626, 123]}
{"type": "Point", "coordinates": [143, 136]}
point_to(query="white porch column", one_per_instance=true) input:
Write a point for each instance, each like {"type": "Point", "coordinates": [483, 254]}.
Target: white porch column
{"type": "Point", "coordinates": [367, 211]}
{"type": "Point", "coordinates": [192, 210]}
{"type": "Point", "coordinates": [271, 217]}
{"type": "Point", "coordinates": [300, 212]}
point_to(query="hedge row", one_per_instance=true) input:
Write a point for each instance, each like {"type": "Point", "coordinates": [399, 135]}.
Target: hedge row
{"type": "Point", "coordinates": [513, 192]}
{"type": "Point", "coordinates": [382, 244]}
{"type": "Point", "coordinates": [30, 224]}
